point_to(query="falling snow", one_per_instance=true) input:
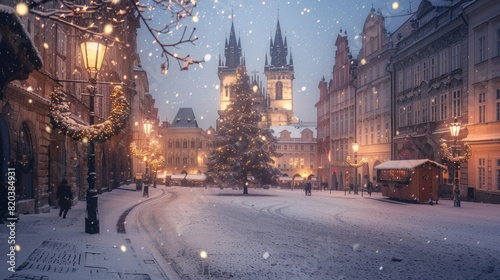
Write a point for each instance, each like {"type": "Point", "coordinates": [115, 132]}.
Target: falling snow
{"type": "Point", "coordinates": [311, 28]}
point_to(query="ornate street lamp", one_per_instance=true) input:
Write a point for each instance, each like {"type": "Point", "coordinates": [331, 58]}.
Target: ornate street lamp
{"type": "Point", "coordinates": [148, 125]}
{"type": "Point", "coordinates": [456, 159]}
{"type": "Point", "coordinates": [356, 164]}
{"type": "Point", "coordinates": [93, 56]}
{"type": "Point", "coordinates": [93, 53]}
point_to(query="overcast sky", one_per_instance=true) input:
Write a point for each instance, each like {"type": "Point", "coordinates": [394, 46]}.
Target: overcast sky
{"type": "Point", "coordinates": [311, 28]}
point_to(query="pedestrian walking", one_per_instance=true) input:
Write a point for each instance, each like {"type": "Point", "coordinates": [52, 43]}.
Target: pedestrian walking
{"type": "Point", "coordinates": [370, 188]}
{"type": "Point", "coordinates": [65, 197]}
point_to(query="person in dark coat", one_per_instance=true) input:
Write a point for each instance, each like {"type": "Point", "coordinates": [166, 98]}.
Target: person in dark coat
{"type": "Point", "coordinates": [65, 197]}
{"type": "Point", "coordinates": [308, 189]}
{"type": "Point", "coordinates": [369, 186]}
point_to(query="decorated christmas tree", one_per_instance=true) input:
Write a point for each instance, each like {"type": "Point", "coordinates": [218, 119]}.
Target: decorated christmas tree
{"type": "Point", "coordinates": [243, 149]}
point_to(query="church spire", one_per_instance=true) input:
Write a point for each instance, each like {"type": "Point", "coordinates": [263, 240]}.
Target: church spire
{"type": "Point", "coordinates": [279, 49]}
{"type": "Point", "coordinates": [232, 50]}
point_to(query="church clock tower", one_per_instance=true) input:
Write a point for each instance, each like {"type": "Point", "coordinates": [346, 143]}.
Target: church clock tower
{"type": "Point", "coordinates": [227, 69]}
{"type": "Point", "coordinates": [279, 75]}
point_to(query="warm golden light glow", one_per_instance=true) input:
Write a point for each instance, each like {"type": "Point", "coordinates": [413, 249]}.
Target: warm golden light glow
{"type": "Point", "coordinates": [93, 56]}
{"type": "Point", "coordinates": [455, 128]}
{"type": "Point", "coordinates": [22, 9]}
{"type": "Point", "coordinates": [108, 29]}
{"type": "Point", "coordinates": [147, 127]}
{"type": "Point", "coordinates": [355, 147]}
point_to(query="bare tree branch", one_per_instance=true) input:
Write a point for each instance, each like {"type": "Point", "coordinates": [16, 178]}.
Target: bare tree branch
{"type": "Point", "coordinates": [91, 18]}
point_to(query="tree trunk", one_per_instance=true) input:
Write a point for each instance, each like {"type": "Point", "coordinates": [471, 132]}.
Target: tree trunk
{"type": "Point", "coordinates": [245, 189]}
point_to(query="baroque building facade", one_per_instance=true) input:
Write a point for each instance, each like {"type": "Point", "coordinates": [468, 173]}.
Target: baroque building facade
{"type": "Point", "coordinates": [186, 146]}
{"type": "Point", "coordinates": [372, 84]}
{"type": "Point", "coordinates": [438, 67]}
{"type": "Point", "coordinates": [430, 82]}
{"type": "Point", "coordinates": [483, 104]}
{"type": "Point", "coordinates": [40, 155]}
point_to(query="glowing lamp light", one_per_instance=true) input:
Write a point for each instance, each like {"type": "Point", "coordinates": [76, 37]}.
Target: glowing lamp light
{"type": "Point", "coordinates": [147, 127]}
{"type": "Point", "coordinates": [355, 147]}
{"type": "Point", "coordinates": [455, 128]}
{"type": "Point", "coordinates": [93, 56]}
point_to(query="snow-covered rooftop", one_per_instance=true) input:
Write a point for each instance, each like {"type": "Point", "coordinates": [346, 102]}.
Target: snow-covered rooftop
{"type": "Point", "coordinates": [294, 129]}
{"type": "Point", "coordinates": [406, 164]}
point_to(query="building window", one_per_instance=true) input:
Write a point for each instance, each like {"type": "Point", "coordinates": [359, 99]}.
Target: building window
{"type": "Point", "coordinates": [481, 173]}
{"type": "Point", "coordinates": [400, 82]}
{"type": "Point", "coordinates": [433, 67]}
{"type": "Point", "coordinates": [409, 114]}
{"type": "Point", "coordinates": [481, 49]}
{"type": "Point", "coordinates": [387, 132]}
{"type": "Point", "coordinates": [498, 42]}
{"type": "Point", "coordinates": [443, 107]}
{"type": "Point", "coordinates": [417, 111]}
{"type": "Point", "coordinates": [456, 103]}
{"type": "Point", "coordinates": [417, 75]}
{"type": "Point", "coordinates": [371, 135]}
{"type": "Point", "coordinates": [379, 134]}
{"type": "Point", "coordinates": [402, 117]}
{"type": "Point", "coordinates": [279, 90]}
{"type": "Point", "coordinates": [498, 174]}
{"type": "Point", "coordinates": [425, 111]}
{"type": "Point", "coordinates": [482, 108]}
{"type": "Point", "coordinates": [425, 70]}
{"type": "Point", "coordinates": [443, 59]}
{"type": "Point", "coordinates": [408, 81]}
{"type": "Point", "coordinates": [498, 105]}
{"type": "Point", "coordinates": [433, 109]}
{"type": "Point", "coordinates": [455, 60]}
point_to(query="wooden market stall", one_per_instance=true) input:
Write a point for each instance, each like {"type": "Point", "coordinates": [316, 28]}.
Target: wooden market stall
{"type": "Point", "coordinates": [410, 180]}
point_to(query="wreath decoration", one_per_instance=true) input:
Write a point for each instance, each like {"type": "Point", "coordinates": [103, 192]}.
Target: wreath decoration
{"type": "Point", "coordinates": [360, 163]}
{"type": "Point", "coordinates": [447, 154]}
{"type": "Point", "coordinates": [60, 118]}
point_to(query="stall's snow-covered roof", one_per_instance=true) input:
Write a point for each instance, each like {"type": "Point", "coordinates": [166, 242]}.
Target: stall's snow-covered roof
{"type": "Point", "coordinates": [406, 164]}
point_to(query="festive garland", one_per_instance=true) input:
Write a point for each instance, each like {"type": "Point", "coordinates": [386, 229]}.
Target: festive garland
{"type": "Point", "coordinates": [356, 164]}
{"type": "Point", "coordinates": [447, 154]}
{"type": "Point", "coordinates": [60, 118]}
{"type": "Point", "coordinates": [151, 154]}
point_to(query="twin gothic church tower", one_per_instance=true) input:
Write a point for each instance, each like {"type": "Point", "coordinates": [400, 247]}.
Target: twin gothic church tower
{"type": "Point", "coordinates": [275, 99]}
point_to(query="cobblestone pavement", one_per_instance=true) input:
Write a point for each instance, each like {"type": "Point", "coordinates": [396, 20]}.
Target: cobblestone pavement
{"type": "Point", "coordinates": [53, 248]}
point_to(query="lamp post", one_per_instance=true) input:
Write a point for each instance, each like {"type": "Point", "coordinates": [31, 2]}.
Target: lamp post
{"type": "Point", "coordinates": [454, 131]}
{"type": "Point", "coordinates": [454, 157]}
{"type": "Point", "coordinates": [93, 55]}
{"type": "Point", "coordinates": [148, 125]}
{"type": "Point", "coordinates": [355, 149]}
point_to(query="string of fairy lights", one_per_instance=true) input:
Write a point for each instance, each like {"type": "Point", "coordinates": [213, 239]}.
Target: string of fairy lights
{"type": "Point", "coordinates": [456, 158]}
{"type": "Point", "coordinates": [151, 154]}
{"type": "Point", "coordinates": [61, 118]}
